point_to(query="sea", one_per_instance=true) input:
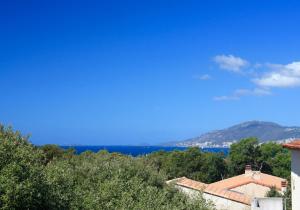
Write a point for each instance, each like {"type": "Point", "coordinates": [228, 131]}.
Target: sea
{"type": "Point", "coordinates": [139, 150]}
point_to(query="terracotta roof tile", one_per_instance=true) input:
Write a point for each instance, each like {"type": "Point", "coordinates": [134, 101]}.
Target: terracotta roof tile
{"type": "Point", "coordinates": [254, 177]}
{"type": "Point", "coordinates": [293, 145]}
{"type": "Point", "coordinates": [231, 195]}
{"type": "Point", "coordinates": [185, 182]}
{"type": "Point", "coordinates": [223, 188]}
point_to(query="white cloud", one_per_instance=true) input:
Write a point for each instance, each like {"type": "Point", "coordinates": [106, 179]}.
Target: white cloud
{"type": "Point", "coordinates": [203, 77]}
{"type": "Point", "coordinates": [225, 98]}
{"type": "Point", "coordinates": [243, 92]}
{"type": "Point", "coordinates": [253, 92]}
{"type": "Point", "coordinates": [265, 76]}
{"type": "Point", "coordinates": [230, 62]}
{"type": "Point", "coordinates": [277, 80]}
{"type": "Point", "coordinates": [280, 76]}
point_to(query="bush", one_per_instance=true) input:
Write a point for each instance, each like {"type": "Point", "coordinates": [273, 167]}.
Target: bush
{"type": "Point", "coordinates": [50, 178]}
{"type": "Point", "coordinates": [22, 185]}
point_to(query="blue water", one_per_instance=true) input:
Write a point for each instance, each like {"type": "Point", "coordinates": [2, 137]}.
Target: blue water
{"type": "Point", "coordinates": [138, 150]}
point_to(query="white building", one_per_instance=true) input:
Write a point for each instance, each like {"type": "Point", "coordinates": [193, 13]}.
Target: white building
{"type": "Point", "coordinates": [266, 203]}
{"type": "Point", "coordinates": [243, 192]}
{"type": "Point", "coordinates": [295, 174]}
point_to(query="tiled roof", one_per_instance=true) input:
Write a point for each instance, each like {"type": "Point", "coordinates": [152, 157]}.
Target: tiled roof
{"type": "Point", "coordinates": [228, 194]}
{"type": "Point", "coordinates": [185, 182]}
{"type": "Point", "coordinates": [293, 145]}
{"type": "Point", "coordinates": [224, 187]}
{"type": "Point", "coordinates": [253, 177]}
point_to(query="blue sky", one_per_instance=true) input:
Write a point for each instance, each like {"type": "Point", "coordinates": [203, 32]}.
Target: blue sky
{"type": "Point", "coordinates": [133, 72]}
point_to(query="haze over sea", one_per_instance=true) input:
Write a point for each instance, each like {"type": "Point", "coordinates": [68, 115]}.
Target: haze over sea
{"type": "Point", "coordinates": [138, 150]}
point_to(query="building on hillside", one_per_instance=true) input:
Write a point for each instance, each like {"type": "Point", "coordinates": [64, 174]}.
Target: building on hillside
{"type": "Point", "coordinates": [295, 173]}
{"type": "Point", "coordinates": [243, 192]}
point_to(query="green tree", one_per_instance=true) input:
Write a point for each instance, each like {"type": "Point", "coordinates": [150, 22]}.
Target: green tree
{"type": "Point", "coordinates": [273, 193]}
{"type": "Point", "coordinates": [22, 184]}
{"type": "Point", "coordinates": [245, 152]}
{"type": "Point", "coordinates": [112, 181]}
{"type": "Point", "coordinates": [213, 168]}
{"type": "Point", "coordinates": [52, 151]}
{"type": "Point", "coordinates": [192, 163]}
{"type": "Point", "coordinates": [275, 160]}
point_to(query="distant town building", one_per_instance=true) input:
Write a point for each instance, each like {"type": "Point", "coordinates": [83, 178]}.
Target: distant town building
{"type": "Point", "coordinates": [295, 173]}
{"type": "Point", "coordinates": [244, 192]}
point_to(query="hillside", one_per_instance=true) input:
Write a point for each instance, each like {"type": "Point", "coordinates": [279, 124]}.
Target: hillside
{"type": "Point", "coordinates": [264, 131]}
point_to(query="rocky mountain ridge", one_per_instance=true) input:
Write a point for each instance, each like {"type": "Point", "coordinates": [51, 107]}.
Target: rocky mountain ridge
{"type": "Point", "coordinates": [264, 131]}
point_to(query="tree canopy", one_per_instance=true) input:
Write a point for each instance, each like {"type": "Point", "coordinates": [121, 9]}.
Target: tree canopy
{"type": "Point", "coordinates": [51, 178]}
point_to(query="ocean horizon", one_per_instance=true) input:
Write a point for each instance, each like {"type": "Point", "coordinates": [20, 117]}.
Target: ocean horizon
{"type": "Point", "coordinates": [137, 150]}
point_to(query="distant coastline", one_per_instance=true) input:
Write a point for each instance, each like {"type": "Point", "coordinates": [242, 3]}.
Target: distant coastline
{"type": "Point", "coordinates": [262, 130]}
{"type": "Point", "coordinates": [136, 150]}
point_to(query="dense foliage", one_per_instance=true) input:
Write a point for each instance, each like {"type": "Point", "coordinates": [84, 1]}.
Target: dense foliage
{"type": "Point", "coordinates": [273, 193]}
{"type": "Point", "coordinates": [22, 184]}
{"type": "Point", "coordinates": [192, 163]}
{"type": "Point", "coordinates": [270, 158]}
{"type": "Point", "coordinates": [51, 178]}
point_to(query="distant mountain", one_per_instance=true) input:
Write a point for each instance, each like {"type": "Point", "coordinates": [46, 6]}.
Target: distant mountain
{"type": "Point", "coordinates": [264, 131]}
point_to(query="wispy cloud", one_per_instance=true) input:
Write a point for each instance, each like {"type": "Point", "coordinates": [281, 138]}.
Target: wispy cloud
{"type": "Point", "coordinates": [280, 76]}
{"type": "Point", "coordinates": [264, 76]}
{"type": "Point", "coordinates": [231, 63]}
{"type": "Point", "coordinates": [253, 92]}
{"type": "Point", "coordinates": [237, 94]}
{"type": "Point", "coordinates": [203, 77]}
{"type": "Point", "coordinates": [225, 98]}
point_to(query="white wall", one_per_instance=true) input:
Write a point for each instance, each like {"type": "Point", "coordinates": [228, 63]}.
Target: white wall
{"type": "Point", "coordinates": [189, 192]}
{"type": "Point", "coordinates": [225, 204]}
{"type": "Point", "coordinates": [267, 204]}
{"type": "Point", "coordinates": [220, 203]}
{"type": "Point", "coordinates": [295, 179]}
{"type": "Point", "coordinates": [252, 190]}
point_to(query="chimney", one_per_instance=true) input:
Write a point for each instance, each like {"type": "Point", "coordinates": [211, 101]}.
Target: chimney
{"type": "Point", "coordinates": [248, 169]}
{"type": "Point", "coordinates": [283, 186]}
